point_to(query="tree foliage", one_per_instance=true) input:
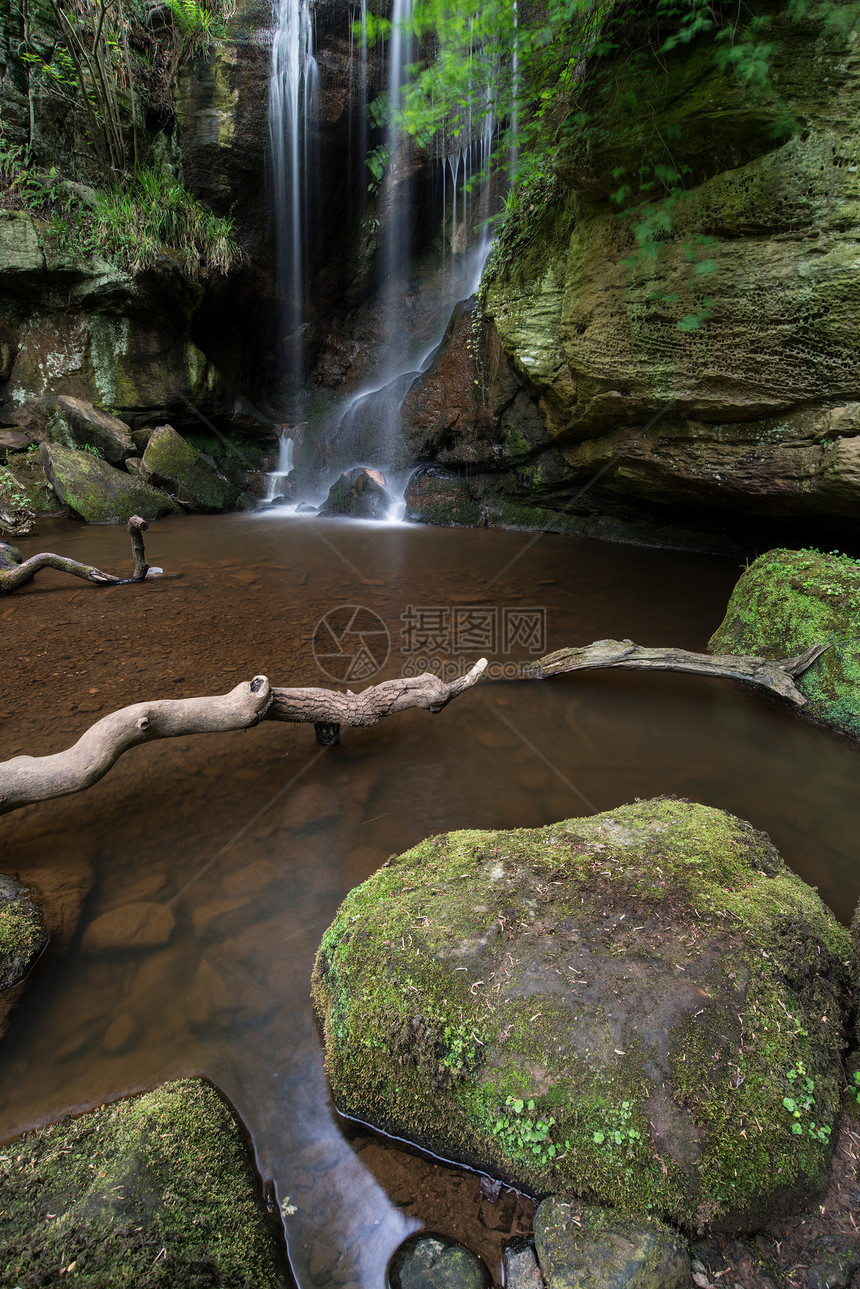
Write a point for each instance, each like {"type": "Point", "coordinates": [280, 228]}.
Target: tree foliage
{"type": "Point", "coordinates": [561, 76]}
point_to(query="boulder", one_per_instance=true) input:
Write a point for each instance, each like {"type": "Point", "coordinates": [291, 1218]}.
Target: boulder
{"type": "Point", "coordinates": [12, 441]}
{"type": "Point", "coordinates": [429, 1261]}
{"type": "Point", "coordinates": [619, 1006]}
{"type": "Point", "coordinates": [75, 423]}
{"type": "Point", "coordinates": [142, 925]}
{"type": "Point", "coordinates": [787, 601]}
{"type": "Point", "coordinates": [173, 464]}
{"type": "Point", "coordinates": [98, 492]}
{"type": "Point", "coordinates": [358, 493]}
{"type": "Point", "coordinates": [435, 496]}
{"type": "Point", "coordinates": [581, 1247]}
{"type": "Point", "coordinates": [110, 1196]}
{"type": "Point", "coordinates": [22, 934]}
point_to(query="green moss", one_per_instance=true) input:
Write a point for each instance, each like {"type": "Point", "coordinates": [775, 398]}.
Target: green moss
{"type": "Point", "coordinates": [460, 955]}
{"type": "Point", "coordinates": [22, 935]}
{"type": "Point", "coordinates": [787, 601]}
{"type": "Point", "coordinates": [157, 1190]}
{"type": "Point", "coordinates": [177, 466]}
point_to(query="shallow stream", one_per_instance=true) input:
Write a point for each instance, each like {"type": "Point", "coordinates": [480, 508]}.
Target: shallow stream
{"type": "Point", "coordinates": [255, 837]}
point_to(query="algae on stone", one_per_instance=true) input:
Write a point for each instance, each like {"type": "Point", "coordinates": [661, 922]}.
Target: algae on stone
{"type": "Point", "coordinates": [787, 601]}
{"type": "Point", "coordinates": [616, 1007]}
{"type": "Point", "coordinates": [98, 492]}
{"type": "Point", "coordinates": [156, 1190]}
{"type": "Point", "coordinates": [177, 466]}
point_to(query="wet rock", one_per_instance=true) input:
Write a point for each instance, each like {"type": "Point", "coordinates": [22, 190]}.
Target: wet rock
{"type": "Point", "coordinates": [435, 496]}
{"type": "Point", "coordinates": [787, 601]}
{"type": "Point", "coordinates": [132, 926]}
{"type": "Point", "coordinates": [358, 493]}
{"type": "Point", "coordinates": [118, 1034]}
{"type": "Point", "coordinates": [176, 466]}
{"type": "Point", "coordinates": [98, 493]}
{"type": "Point", "coordinates": [75, 423]}
{"type": "Point", "coordinates": [426, 1261]}
{"type": "Point", "coordinates": [834, 1260]}
{"type": "Point", "coordinates": [168, 1170]}
{"type": "Point", "coordinates": [521, 1267]}
{"type": "Point", "coordinates": [208, 997]}
{"type": "Point", "coordinates": [22, 934]}
{"type": "Point", "coordinates": [518, 991]}
{"type": "Point", "coordinates": [9, 555]}
{"type": "Point", "coordinates": [593, 1248]}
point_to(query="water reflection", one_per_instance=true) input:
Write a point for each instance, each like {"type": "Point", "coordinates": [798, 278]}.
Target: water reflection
{"type": "Point", "coordinates": [228, 994]}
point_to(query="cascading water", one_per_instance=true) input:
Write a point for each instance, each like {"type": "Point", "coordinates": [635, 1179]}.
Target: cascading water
{"type": "Point", "coordinates": [277, 479]}
{"type": "Point", "coordinates": [292, 105]}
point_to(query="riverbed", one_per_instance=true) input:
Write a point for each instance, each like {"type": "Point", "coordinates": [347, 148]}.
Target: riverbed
{"type": "Point", "coordinates": [253, 838]}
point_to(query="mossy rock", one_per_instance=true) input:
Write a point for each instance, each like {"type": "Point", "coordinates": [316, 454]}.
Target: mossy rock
{"type": "Point", "coordinates": [22, 934]}
{"type": "Point", "coordinates": [613, 1007]}
{"type": "Point", "coordinates": [96, 491]}
{"type": "Point", "coordinates": [175, 465]}
{"type": "Point", "coordinates": [580, 1247]}
{"type": "Point", "coordinates": [157, 1190]}
{"type": "Point", "coordinates": [787, 601]}
{"type": "Point", "coordinates": [435, 496]}
{"type": "Point", "coordinates": [75, 423]}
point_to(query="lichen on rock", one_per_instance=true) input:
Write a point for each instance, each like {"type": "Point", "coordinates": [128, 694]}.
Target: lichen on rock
{"type": "Point", "coordinates": [96, 491]}
{"type": "Point", "coordinates": [174, 464]}
{"type": "Point", "coordinates": [787, 601]}
{"type": "Point", "coordinates": [615, 1008]}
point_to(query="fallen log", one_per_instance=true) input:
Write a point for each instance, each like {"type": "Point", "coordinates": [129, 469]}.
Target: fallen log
{"type": "Point", "coordinates": [15, 572]}
{"type": "Point", "coordinates": [25, 780]}
{"type": "Point", "coordinates": [776, 676]}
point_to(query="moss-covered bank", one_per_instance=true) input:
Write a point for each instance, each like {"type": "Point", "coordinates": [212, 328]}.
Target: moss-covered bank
{"type": "Point", "coordinates": [614, 1007]}
{"type": "Point", "coordinates": [157, 1190]}
{"type": "Point", "coordinates": [787, 601]}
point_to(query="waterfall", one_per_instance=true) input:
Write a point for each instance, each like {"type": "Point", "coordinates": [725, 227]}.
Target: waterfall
{"type": "Point", "coordinates": [276, 479]}
{"type": "Point", "coordinates": [292, 105]}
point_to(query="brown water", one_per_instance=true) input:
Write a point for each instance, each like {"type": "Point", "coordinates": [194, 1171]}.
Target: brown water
{"type": "Point", "coordinates": [263, 832]}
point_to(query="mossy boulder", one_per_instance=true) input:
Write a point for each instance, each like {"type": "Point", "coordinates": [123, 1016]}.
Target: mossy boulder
{"type": "Point", "coordinates": [98, 492]}
{"type": "Point", "coordinates": [22, 934]}
{"type": "Point", "coordinates": [787, 601]}
{"type": "Point", "coordinates": [173, 464]}
{"type": "Point", "coordinates": [435, 496]}
{"type": "Point", "coordinates": [581, 1247]}
{"type": "Point", "coordinates": [614, 1007]}
{"type": "Point", "coordinates": [76, 423]}
{"type": "Point", "coordinates": [156, 1190]}
{"type": "Point", "coordinates": [359, 493]}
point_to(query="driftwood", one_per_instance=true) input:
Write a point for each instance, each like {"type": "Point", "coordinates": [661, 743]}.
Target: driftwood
{"type": "Point", "coordinates": [27, 779]}
{"type": "Point", "coordinates": [775, 676]}
{"type": "Point", "coordinates": [13, 574]}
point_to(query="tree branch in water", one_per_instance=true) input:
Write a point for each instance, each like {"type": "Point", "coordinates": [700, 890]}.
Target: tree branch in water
{"type": "Point", "coordinates": [14, 573]}
{"type": "Point", "coordinates": [28, 779]}
{"type": "Point", "coordinates": [775, 676]}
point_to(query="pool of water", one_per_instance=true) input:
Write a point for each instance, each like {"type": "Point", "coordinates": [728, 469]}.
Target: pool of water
{"type": "Point", "coordinates": [253, 838]}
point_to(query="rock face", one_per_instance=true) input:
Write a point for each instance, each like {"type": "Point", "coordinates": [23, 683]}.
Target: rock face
{"type": "Point", "coordinates": [787, 601]}
{"type": "Point", "coordinates": [173, 1160]}
{"type": "Point", "coordinates": [359, 493]}
{"type": "Point", "coordinates": [96, 491]}
{"type": "Point", "coordinates": [22, 934]}
{"type": "Point", "coordinates": [587, 1248]}
{"type": "Point", "coordinates": [433, 496]}
{"type": "Point", "coordinates": [597, 1006]}
{"type": "Point", "coordinates": [758, 408]}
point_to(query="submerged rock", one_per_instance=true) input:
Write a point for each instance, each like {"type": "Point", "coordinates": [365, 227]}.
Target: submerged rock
{"type": "Point", "coordinates": [590, 1248]}
{"type": "Point", "coordinates": [141, 925]}
{"type": "Point", "coordinates": [616, 1006]}
{"type": "Point", "coordinates": [428, 1261]}
{"type": "Point", "coordinates": [98, 492]}
{"type": "Point", "coordinates": [155, 1190]}
{"type": "Point", "coordinates": [22, 934]}
{"type": "Point", "coordinates": [358, 493]}
{"type": "Point", "coordinates": [175, 465]}
{"type": "Point", "coordinates": [787, 601]}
